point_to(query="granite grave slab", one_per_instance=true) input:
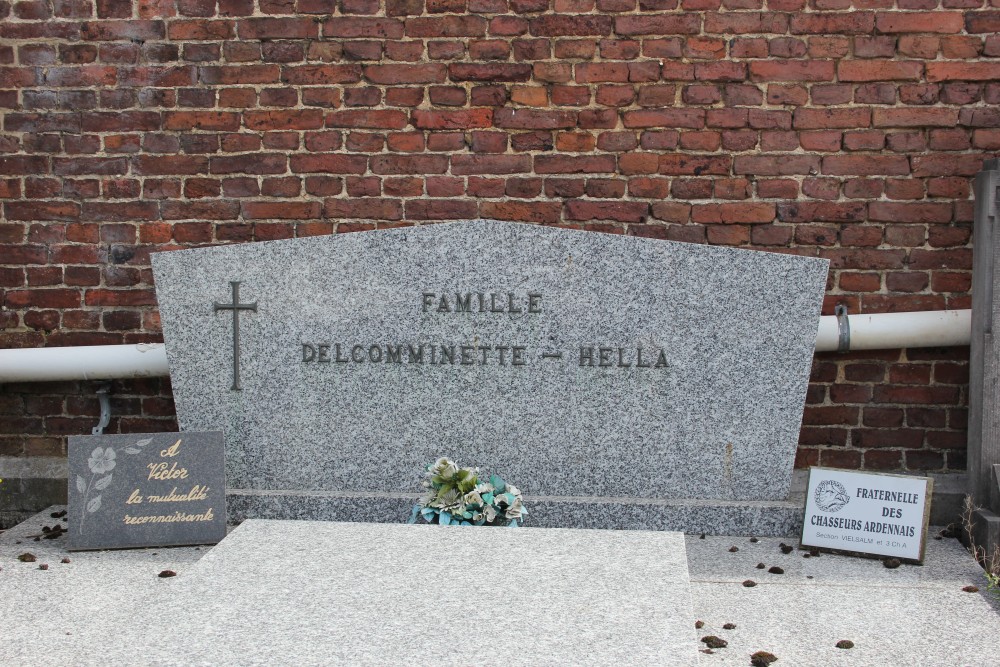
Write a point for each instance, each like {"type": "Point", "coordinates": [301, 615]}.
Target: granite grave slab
{"type": "Point", "coordinates": [378, 594]}
{"type": "Point", "coordinates": [634, 373]}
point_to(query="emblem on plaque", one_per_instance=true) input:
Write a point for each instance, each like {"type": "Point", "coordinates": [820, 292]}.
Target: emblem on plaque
{"type": "Point", "coordinates": [831, 496]}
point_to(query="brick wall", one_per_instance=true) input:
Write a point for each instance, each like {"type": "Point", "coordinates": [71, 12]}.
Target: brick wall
{"type": "Point", "coordinates": [833, 129]}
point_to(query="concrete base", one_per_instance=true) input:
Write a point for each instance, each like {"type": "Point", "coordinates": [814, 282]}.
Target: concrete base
{"type": "Point", "coordinates": [30, 486]}
{"type": "Point", "coordinates": [986, 534]}
{"type": "Point", "coordinates": [688, 516]}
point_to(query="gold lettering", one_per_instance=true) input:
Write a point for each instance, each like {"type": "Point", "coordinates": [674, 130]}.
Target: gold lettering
{"type": "Point", "coordinates": [162, 472]}
{"type": "Point", "coordinates": [171, 450]}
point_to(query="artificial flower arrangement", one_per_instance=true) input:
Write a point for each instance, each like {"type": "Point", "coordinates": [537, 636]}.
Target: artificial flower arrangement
{"type": "Point", "coordinates": [456, 496]}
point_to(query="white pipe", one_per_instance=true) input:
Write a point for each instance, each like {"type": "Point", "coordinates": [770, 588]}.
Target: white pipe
{"type": "Point", "coordinates": [889, 331]}
{"type": "Point", "coordinates": [86, 362]}
{"type": "Point", "coordinates": [883, 331]}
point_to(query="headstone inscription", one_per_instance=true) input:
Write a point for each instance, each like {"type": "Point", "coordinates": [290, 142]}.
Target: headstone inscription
{"type": "Point", "coordinates": [583, 367]}
{"type": "Point", "coordinates": [869, 513]}
{"type": "Point", "coordinates": [146, 489]}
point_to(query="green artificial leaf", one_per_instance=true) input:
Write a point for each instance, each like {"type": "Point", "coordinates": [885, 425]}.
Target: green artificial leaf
{"type": "Point", "coordinates": [498, 483]}
{"type": "Point", "coordinates": [444, 518]}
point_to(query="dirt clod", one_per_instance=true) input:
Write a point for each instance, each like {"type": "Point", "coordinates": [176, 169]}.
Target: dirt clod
{"type": "Point", "coordinates": [891, 563]}
{"type": "Point", "coordinates": [754, 540]}
{"type": "Point", "coordinates": [762, 659]}
{"type": "Point", "coordinates": [971, 589]}
{"type": "Point", "coordinates": [43, 566]}
{"type": "Point", "coordinates": [761, 566]}
{"type": "Point", "coordinates": [65, 560]}
{"type": "Point", "coordinates": [749, 583]}
{"type": "Point", "coordinates": [167, 573]}
{"type": "Point", "coordinates": [786, 549]}
{"type": "Point", "coordinates": [711, 641]}
{"type": "Point", "coordinates": [774, 569]}
{"type": "Point", "coordinates": [698, 625]}
{"type": "Point", "coordinates": [729, 626]}
{"type": "Point", "coordinates": [27, 557]}
{"type": "Point", "coordinates": [845, 643]}
{"type": "Point", "coordinates": [733, 550]}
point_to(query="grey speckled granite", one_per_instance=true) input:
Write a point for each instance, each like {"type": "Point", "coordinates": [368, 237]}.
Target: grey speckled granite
{"type": "Point", "coordinates": [720, 420]}
{"type": "Point", "coordinates": [911, 615]}
{"type": "Point", "coordinates": [282, 583]}
{"type": "Point", "coordinates": [375, 594]}
{"type": "Point", "coordinates": [715, 517]}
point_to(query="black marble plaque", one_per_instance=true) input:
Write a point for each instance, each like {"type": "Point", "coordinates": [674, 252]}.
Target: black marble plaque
{"type": "Point", "coordinates": [146, 489]}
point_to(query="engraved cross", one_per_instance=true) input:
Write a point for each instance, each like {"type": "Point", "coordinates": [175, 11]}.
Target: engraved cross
{"type": "Point", "coordinates": [236, 307]}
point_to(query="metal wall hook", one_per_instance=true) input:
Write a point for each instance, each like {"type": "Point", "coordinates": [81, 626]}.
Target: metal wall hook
{"type": "Point", "coordinates": [103, 390]}
{"type": "Point", "coordinates": [843, 327]}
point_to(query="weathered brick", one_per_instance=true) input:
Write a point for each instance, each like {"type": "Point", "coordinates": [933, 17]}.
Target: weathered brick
{"type": "Point", "coordinates": [879, 70]}
{"type": "Point", "coordinates": [792, 70]}
{"type": "Point", "coordinates": [919, 22]}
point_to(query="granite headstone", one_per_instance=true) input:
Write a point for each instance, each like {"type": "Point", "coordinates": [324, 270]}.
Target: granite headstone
{"type": "Point", "coordinates": [583, 367]}
{"type": "Point", "coordinates": [146, 489]}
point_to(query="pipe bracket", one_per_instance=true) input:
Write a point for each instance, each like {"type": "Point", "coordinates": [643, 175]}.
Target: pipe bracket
{"type": "Point", "coordinates": [102, 395]}
{"type": "Point", "coordinates": [843, 328]}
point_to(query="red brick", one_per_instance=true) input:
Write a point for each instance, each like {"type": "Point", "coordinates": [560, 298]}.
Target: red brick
{"type": "Point", "coordinates": [745, 22]}
{"type": "Point", "coordinates": [565, 164]}
{"type": "Point", "coordinates": [409, 164]}
{"type": "Point", "coordinates": [868, 165]}
{"type": "Point", "coordinates": [447, 26]}
{"type": "Point", "coordinates": [915, 117]}
{"type": "Point", "coordinates": [791, 70]}
{"type": "Point", "coordinates": [955, 71]}
{"type": "Point", "coordinates": [320, 74]}
{"type": "Point", "coordinates": [539, 212]}
{"type": "Point", "coordinates": [464, 165]}
{"type": "Point", "coordinates": [910, 213]}
{"type": "Point", "coordinates": [489, 72]}
{"type": "Point", "coordinates": [689, 118]}
{"type": "Point", "coordinates": [363, 208]}
{"type": "Point", "coordinates": [555, 25]}
{"type": "Point", "coordinates": [329, 163]}
{"type": "Point", "coordinates": [396, 73]}
{"type": "Point", "coordinates": [776, 165]}
{"type": "Point", "coordinates": [286, 210]}
{"type": "Point", "coordinates": [742, 213]}
{"type": "Point", "coordinates": [919, 22]}
{"type": "Point", "coordinates": [698, 165]}
{"type": "Point", "coordinates": [829, 23]}
{"type": "Point", "coordinates": [382, 119]}
{"type": "Point", "coordinates": [530, 119]}
{"type": "Point", "coordinates": [441, 209]}
{"type": "Point", "coordinates": [879, 70]}
{"type": "Point", "coordinates": [809, 119]}
{"type": "Point", "coordinates": [580, 209]}
{"type": "Point", "coordinates": [357, 27]}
